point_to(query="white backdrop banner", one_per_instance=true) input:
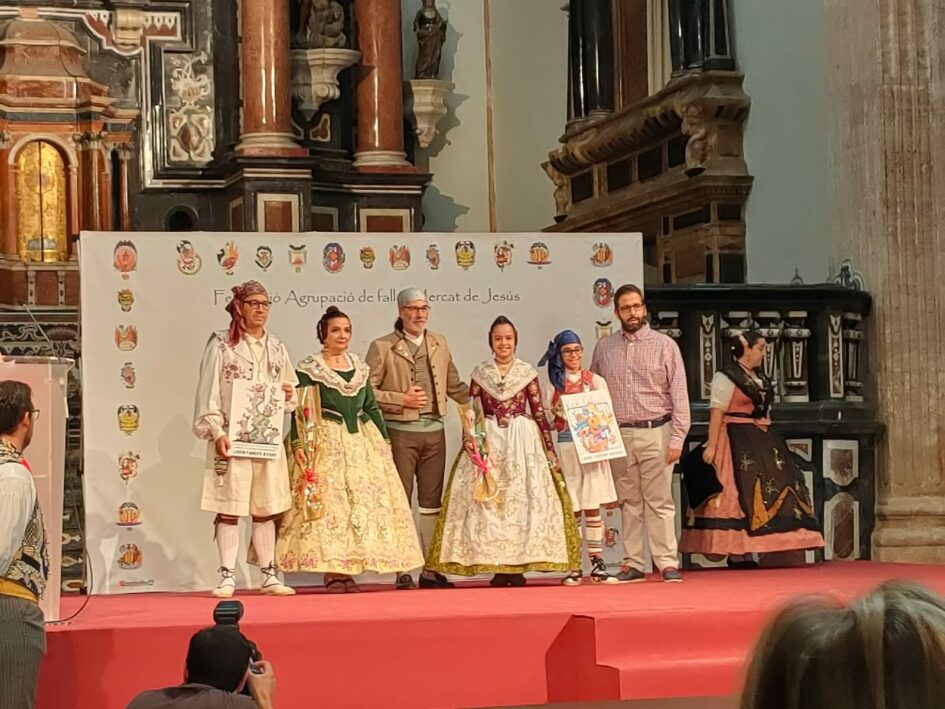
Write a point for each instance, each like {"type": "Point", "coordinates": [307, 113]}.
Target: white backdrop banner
{"type": "Point", "coordinates": [150, 301]}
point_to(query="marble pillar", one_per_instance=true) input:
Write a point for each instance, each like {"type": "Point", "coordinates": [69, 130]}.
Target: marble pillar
{"type": "Point", "coordinates": [598, 55]}
{"type": "Point", "coordinates": [887, 183]}
{"type": "Point", "coordinates": [699, 36]}
{"type": "Point", "coordinates": [266, 81]}
{"type": "Point", "coordinates": [577, 98]}
{"type": "Point", "coordinates": [380, 134]}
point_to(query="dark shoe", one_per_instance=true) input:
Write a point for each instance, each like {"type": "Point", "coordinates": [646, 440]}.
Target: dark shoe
{"type": "Point", "coordinates": [404, 582]}
{"type": "Point", "coordinates": [628, 574]}
{"type": "Point", "coordinates": [516, 580]}
{"type": "Point", "coordinates": [599, 572]}
{"type": "Point", "coordinates": [572, 579]}
{"type": "Point", "coordinates": [671, 575]}
{"type": "Point", "coordinates": [741, 564]}
{"type": "Point", "coordinates": [499, 581]}
{"type": "Point", "coordinates": [435, 581]}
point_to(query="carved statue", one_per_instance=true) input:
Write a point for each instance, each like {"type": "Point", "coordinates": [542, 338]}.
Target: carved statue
{"type": "Point", "coordinates": [321, 25]}
{"type": "Point", "coordinates": [562, 196]}
{"type": "Point", "coordinates": [430, 28]}
{"type": "Point", "coordinates": [697, 147]}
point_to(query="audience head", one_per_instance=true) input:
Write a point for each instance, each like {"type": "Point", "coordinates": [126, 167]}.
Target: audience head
{"type": "Point", "coordinates": [334, 329]}
{"type": "Point", "coordinates": [886, 651]}
{"type": "Point", "coordinates": [16, 413]}
{"type": "Point", "coordinates": [219, 656]}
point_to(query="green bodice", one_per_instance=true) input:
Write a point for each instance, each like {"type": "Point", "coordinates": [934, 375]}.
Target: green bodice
{"type": "Point", "coordinates": [340, 408]}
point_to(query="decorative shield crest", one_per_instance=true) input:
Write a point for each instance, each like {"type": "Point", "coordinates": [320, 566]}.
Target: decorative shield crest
{"type": "Point", "coordinates": [188, 261]}
{"type": "Point", "coordinates": [125, 258]}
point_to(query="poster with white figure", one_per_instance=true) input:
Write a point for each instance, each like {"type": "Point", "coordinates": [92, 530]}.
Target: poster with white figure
{"type": "Point", "coordinates": [151, 300]}
{"type": "Point", "coordinates": [257, 414]}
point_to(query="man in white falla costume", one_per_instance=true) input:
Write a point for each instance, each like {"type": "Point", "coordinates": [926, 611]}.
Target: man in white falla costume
{"type": "Point", "coordinates": [237, 487]}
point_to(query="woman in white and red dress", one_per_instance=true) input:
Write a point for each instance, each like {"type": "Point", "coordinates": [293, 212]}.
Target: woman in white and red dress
{"type": "Point", "coordinates": [590, 485]}
{"type": "Point", "coordinates": [528, 524]}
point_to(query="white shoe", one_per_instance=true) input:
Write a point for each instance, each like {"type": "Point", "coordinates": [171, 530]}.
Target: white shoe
{"type": "Point", "coordinates": [272, 586]}
{"type": "Point", "coordinates": [227, 585]}
{"type": "Point", "coordinates": [573, 579]}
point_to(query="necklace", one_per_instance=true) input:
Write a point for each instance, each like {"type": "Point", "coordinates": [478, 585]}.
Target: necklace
{"type": "Point", "coordinates": [335, 359]}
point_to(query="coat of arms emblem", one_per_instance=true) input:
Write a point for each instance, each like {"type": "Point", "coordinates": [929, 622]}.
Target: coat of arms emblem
{"type": "Point", "coordinates": [129, 557]}
{"type": "Point", "coordinates": [129, 418]}
{"type": "Point", "coordinates": [298, 256]}
{"type": "Point", "coordinates": [129, 515]}
{"type": "Point", "coordinates": [128, 375]}
{"type": "Point", "coordinates": [333, 257]}
{"type": "Point", "coordinates": [126, 337]}
{"type": "Point", "coordinates": [128, 465]}
{"type": "Point", "coordinates": [465, 254]}
{"type": "Point", "coordinates": [539, 254]}
{"type": "Point", "coordinates": [602, 255]}
{"type": "Point", "coordinates": [264, 257]}
{"type": "Point", "coordinates": [433, 257]}
{"type": "Point", "coordinates": [126, 299]}
{"type": "Point", "coordinates": [399, 257]}
{"type": "Point", "coordinates": [125, 258]}
{"type": "Point", "coordinates": [603, 293]}
{"type": "Point", "coordinates": [503, 255]}
{"type": "Point", "coordinates": [188, 261]}
{"type": "Point", "coordinates": [367, 256]}
{"type": "Point", "coordinates": [228, 257]}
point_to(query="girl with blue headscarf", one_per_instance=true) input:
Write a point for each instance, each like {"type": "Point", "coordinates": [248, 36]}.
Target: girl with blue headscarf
{"type": "Point", "coordinates": [590, 485]}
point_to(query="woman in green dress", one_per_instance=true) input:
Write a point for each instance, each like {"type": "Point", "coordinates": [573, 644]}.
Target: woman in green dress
{"type": "Point", "coordinates": [349, 512]}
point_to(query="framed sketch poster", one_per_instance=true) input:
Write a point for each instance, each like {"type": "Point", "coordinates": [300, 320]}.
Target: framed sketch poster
{"type": "Point", "coordinates": [590, 416]}
{"type": "Point", "coordinates": [257, 416]}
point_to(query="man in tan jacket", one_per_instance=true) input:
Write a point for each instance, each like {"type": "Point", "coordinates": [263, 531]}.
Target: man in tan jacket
{"type": "Point", "coordinates": [413, 375]}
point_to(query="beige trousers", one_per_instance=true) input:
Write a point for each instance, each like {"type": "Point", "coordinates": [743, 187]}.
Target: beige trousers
{"type": "Point", "coordinates": [644, 485]}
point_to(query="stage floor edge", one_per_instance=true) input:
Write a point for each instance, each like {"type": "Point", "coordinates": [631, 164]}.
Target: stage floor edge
{"type": "Point", "coordinates": [472, 646]}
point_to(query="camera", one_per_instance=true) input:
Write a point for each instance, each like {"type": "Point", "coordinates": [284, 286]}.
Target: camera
{"type": "Point", "coordinates": [230, 613]}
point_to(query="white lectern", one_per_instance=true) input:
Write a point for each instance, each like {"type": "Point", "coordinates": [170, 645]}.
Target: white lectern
{"type": "Point", "coordinates": [47, 377]}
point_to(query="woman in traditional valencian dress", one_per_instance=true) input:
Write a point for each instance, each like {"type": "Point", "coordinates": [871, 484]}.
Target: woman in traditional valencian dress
{"type": "Point", "coordinates": [525, 522]}
{"type": "Point", "coordinates": [590, 485]}
{"type": "Point", "coordinates": [764, 505]}
{"type": "Point", "coordinates": [349, 512]}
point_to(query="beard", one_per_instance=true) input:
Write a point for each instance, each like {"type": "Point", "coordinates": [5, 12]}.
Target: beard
{"type": "Point", "coordinates": [632, 327]}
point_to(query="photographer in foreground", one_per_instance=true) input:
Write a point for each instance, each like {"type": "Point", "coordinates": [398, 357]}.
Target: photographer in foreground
{"type": "Point", "coordinates": [219, 665]}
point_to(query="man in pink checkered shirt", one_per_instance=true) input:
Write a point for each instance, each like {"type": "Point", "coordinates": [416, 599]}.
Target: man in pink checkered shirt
{"type": "Point", "coordinates": [644, 372]}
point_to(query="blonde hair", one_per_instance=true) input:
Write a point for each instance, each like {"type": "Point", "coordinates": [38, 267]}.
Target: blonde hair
{"type": "Point", "coordinates": [886, 651]}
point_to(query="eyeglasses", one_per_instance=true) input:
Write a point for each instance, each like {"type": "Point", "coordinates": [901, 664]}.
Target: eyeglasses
{"type": "Point", "coordinates": [258, 304]}
{"type": "Point", "coordinates": [571, 351]}
{"type": "Point", "coordinates": [635, 308]}
{"type": "Point", "coordinates": [418, 309]}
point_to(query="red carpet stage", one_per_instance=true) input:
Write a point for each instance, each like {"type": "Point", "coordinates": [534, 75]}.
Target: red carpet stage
{"type": "Point", "coordinates": [469, 647]}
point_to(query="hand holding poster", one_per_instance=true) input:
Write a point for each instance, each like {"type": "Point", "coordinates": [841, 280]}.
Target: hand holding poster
{"type": "Point", "coordinates": [257, 415]}
{"type": "Point", "coordinates": [590, 416]}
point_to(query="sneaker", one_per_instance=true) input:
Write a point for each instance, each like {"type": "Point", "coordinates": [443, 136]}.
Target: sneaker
{"type": "Point", "coordinates": [432, 579]}
{"type": "Point", "coordinates": [272, 586]}
{"type": "Point", "coordinates": [628, 574]}
{"type": "Point", "coordinates": [599, 572]}
{"type": "Point", "coordinates": [572, 579]}
{"type": "Point", "coordinates": [404, 582]}
{"type": "Point", "coordinates": [671, 575]}
{"type": "Point", "coordinates": [227, 585]}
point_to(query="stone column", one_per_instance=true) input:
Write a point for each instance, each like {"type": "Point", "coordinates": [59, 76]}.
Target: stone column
{"type": "Point", "coordinates": [887, 188]}
{"type": "Point", "coordinates": [598, 55]}
{"type": "Point", "coordinates": [266, 80]}
{"type": "Point", "coordinates": [8, 245]}
{"type": "Point", "coordinates": [699, 36]}
{"type": "Point", "coordinates": [380, 136]}
{"type": "Point", "coordinates": [125, 151]}
{"type": "Point", "coordinates": [577, 100]}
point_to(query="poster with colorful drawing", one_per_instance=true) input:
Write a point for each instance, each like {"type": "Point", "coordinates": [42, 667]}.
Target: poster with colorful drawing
{"type": "Point", "coordinates": [590, 417]}
{"type": "Point", "coordinates": [257, 415]}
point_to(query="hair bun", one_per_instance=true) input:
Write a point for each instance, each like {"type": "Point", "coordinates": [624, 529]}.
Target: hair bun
{"type": "Point", "coordinates": [332, 310]}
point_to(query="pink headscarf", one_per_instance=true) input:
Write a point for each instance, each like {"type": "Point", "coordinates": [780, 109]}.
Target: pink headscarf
{"type": "Point", "coordinates": [234, 308]}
